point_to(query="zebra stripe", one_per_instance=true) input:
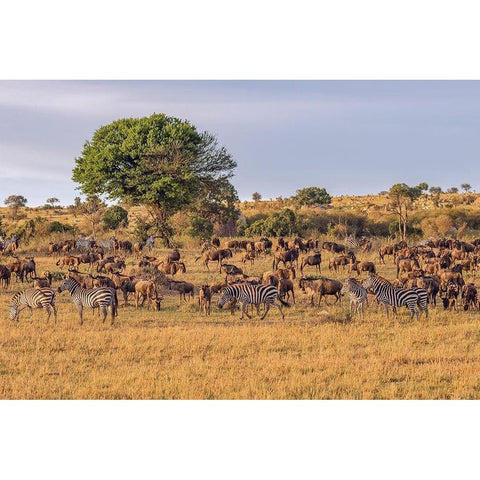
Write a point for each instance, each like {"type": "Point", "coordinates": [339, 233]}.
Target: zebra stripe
{"type": "Point", "coordinates": [389, 295]}
{"type": "Point", "coordinates": [101, 297]}
{"type": "Point", "coordinates": [33, 298]}
{"type": "Point", "coordinates": [358, 295]}
{"type": "Point", "coordinates": [252, 294]}
{"type": "Point", "coordinates": [351, 242]}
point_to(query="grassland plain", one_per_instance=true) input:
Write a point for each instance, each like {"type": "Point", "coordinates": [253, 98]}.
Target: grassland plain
{"type": "Point", "coordinates": [177, 353]}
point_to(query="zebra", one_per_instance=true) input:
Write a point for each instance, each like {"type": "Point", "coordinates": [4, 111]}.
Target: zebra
{"type": "Point", "coordinates": [387, 294]}
{"type": "Point", "coordinates": [150, 242]}
{"type": "Point", "coordinates": [351, 242]}
{"type": "Point", "coordinates": [252, 294]}
{"type": "Point", "coordinates": [101, 297]}
{"type": "Point", "coordinates": [33, 298]}
{"type": "Point", "coordinates": [108, 245]}
{"type": "Point", "coordinates": [358, 295]}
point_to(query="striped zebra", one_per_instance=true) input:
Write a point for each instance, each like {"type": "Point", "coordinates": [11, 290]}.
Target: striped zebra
{"type": "Point", "coordinates": [351, 242]}
{"type": "Point", "coordinates": [150, 242]}
{"type": "Point", "coordinates": [388, 295]}
{"type": "Point", "coordinates": [252, 294]}
{"type": "Point", "coordinates": [33, 298]}
{"type": "Point", "coordinates": [101, 297]}
{"type": "Point", "coordinates": [358, 295]}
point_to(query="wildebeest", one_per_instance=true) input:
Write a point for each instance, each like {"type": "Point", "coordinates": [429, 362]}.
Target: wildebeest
{"type": "Point", "coordinates": [28, 269]}
{"type": "Point", "coordinates": [285, 287]}
{"type": "Point", "coordinates": [312, 260]}
{"type": "Point", "coordinates": [146, 290]}
{"type": "Point", "coordinates": [215, 256]}
{"type": "Point", "coordinates": [470, 297]}
{"type": "Point", "coordinates": [173, 256]}
{"type": "Point", "coordinates": [333, 247]}
{"type": "Point", "coordinates": [183, 289]}
{"type": "Point", "coordinates": [172, 268]}
{"type": "Point", "coordinates": [285, 256]}
{"type": "Point", "coordinates": [321, 287]}
{"type": "Point", "coordinates": [249, 256]}
{"type": "Point", "coordinates": [205, 299]}
{"type": "Point", "coordinates": [67, 262]}
{"type": "Point", "coordinates": [362, 267]}
{"type": "Point", "coordinates": [5, 275]}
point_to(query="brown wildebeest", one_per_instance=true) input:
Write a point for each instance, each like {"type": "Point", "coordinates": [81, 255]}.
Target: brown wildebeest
{"type": "Point", "coordinates": [28, 269]}
{"type": "Point", "coordinates": [312, 260]}
{"type": "Point", "coordinates": [448, 276]}
{"type": "Point", "coordinates": [125, 246]}
{"type": "Point", "coordinates": [126, 284]}
{"type": "Point", "coordinates": [146, 289]}
{"type": "Point", "coordinates": [53, 248]}
{"type": "Point", "coordinates": [285, 256]}
{"type": "Point", "coordinates": [288, 273]}
{"type": "Point", "coordinates": [16, 268]}
{"type": "Point", "coordinates": [84, 279]}
{"type": "Point", "coordinates": [102, 281]}
{"type": "Point", "coordinates": [362, 267]}
{"type": "Point", "coordinates": [285, 287]}
{"type": "Point", "coordinates": [322, 286]}
{"type": "Point", "coordinates": [10, 249]}
{"type": "Point", "coordinates": [137, 248]}
{"type": "Point", "coordinates": [407, 265]}
{"type": "Point", "coordinates": [333, 247]}
{"type": "Point", "coordinates": [173, 256]}
{"type": "Point", "coordinates": [231, 269]}
{"type": "Point", "coordinates": [67, 262]}
{"type": "Point", "coordinates": [249, 256]}
{"type": "Point", "coordinates": [5, 275]}
{"type": "Point", "coordinates": [215, 256]}
{"type": "Point", "coordinates": [339, 261]}
{"type": "Point", "coordinates": [451, 296]}
{"type": "Point", "coordinates": [205, 299]}
{"type": "Point", "coordinates": [183, 288]}
{"type": "Point", "coordinates": [431, 285]}
{"type": "Point", "coordinates": [113, 267]}
{"type": "Point", "coordinates": [172, 268]}
{"type": "Point", "coordinates": [470, 297]}
{"type": "Point", "coordinates": [232, 244]}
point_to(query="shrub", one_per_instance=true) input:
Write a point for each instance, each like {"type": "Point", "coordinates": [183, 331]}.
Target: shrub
{"type": "Point", "coordinates": [115, 217]}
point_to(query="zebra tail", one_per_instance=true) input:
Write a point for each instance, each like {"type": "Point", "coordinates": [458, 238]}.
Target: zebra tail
{"type": "Point", "coordinates": [283, 302]}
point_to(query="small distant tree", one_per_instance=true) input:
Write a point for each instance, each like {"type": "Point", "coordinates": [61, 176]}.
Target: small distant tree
{"type": "Point", "coordinates": [401, 199]}
{"type": "Point", "coordinates": [53, 201]}
{"type": "Point", "coordinates": [114, 217]}
{"type": "Point", "coordinates": [312, 196]}
{"type": "Point", "coordinates": [452, 190]}
{"type": "Point", "coordinates": [423, 187]}
{"type": "Point", "coordinates": [92, 209]}
{"type": "Point", "coordinates": [466, 187]}
{"type": "Point", "coordinates": [256, 197]}
{"type": "Point", "coordinates": [15, 202]}
{"type": "Point", "coordinates": [435, 190]}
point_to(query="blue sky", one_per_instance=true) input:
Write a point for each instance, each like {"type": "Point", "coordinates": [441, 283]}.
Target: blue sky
{"type": "Point", "coordinates": [351, 137]}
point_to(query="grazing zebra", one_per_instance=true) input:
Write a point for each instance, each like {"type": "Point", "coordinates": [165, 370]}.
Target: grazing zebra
{"type": "Point", "coordinates": [387, 294]}
{"type": "Point", "coordinates": [351, 242]}
{"type": "Point", "coordinates": [150, 242]}
{"type": "Point", "coordinates": [252, 294]}
{"type": "Point", "coordinates": [101, 297]}
{"type": "Point", "coordinates": [33, 298]}
{"type": "Point", "coordinates": [358, 295]}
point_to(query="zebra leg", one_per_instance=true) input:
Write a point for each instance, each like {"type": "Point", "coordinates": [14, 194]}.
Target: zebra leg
{"type": "Point", "coordinates": [80, 313]}
{"type": "Point", "coordinates": [112, 312]}
{"type": "Point", "coordinates": [280, 307]}
{"type": "Point", "coordinates": [54, 308]}
{"type": "Point", "coordinates": [47, 308]}
{"type": "Point", "coordinates": [244, 310]}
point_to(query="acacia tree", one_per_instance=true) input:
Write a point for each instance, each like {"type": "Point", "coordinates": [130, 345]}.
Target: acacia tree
{"type": "Point", "coordinates": [92, 209]}
{"type": "Point", "coordinates": [312, 196]}
{"type": "Point", "coordinates": [15, 202]}
{"type": "Point", "coordinates": [401, 198]}
{"type": "Point", "coordinates": [162, 163]}
{"type": "Point", "coordinates": [53, 201]}
{"type": "Point", "coordinates": [466, 187]}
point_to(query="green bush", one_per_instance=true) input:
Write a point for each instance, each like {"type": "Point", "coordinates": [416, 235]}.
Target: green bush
{"type": "Point", "coordinates": [115, 217]}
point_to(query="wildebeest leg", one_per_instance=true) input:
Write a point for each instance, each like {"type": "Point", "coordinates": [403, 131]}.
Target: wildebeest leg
{"type": "Point", "coordinates": [267, 308]}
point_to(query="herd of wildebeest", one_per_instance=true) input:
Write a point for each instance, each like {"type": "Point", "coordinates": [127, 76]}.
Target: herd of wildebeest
{"type": "Point", "coordinates": [98, 270]}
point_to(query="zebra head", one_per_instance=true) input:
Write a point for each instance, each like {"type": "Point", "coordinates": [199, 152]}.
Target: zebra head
{"type": "Point", "coordinates": [226, 297]}
{"type": "Point", "coordinates": [369, 282]}
{"type": "Point", "coordinates": [68, 283]}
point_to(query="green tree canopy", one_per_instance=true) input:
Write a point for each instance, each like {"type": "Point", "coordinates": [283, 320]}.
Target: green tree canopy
{"type": "Point", "coordinates": [15, 202]}
{"type": "Point", "coordinates": [312, 196]}
{"type": "Point", "coordinates": [114, 217]}
{"type": "Point", "coordinates": [466, 187]}
{"type": "Point", "coordinates": [256, 197]}
{"type": "Point", "coordinates": [277, 224]}
{"type": "Point", "coordinates": [162, 163]}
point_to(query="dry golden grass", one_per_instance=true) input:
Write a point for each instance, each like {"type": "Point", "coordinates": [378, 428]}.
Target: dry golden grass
{"type": "Point", "coordinates": [316, 353]}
